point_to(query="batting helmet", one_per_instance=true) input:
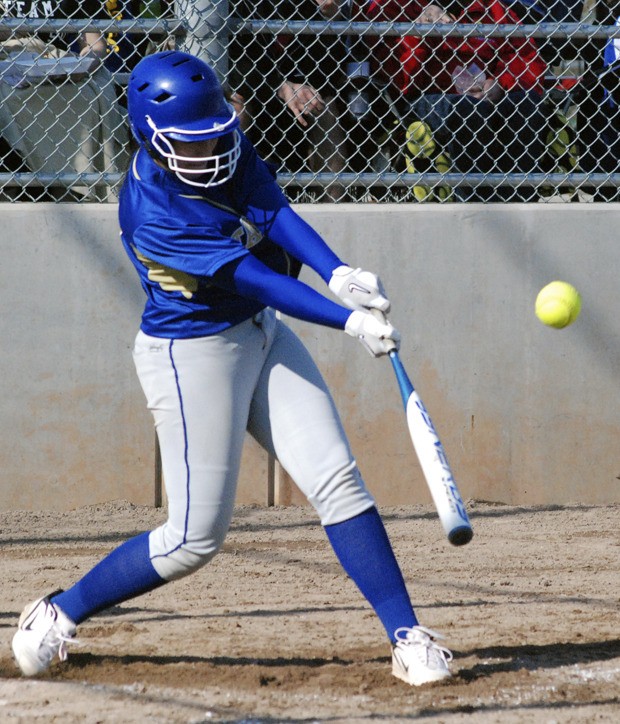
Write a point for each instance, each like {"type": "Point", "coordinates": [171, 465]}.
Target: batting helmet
{"type": "Point", "coordinates": [174, 96]}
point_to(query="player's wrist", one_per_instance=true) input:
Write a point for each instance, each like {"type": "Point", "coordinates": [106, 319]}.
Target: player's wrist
{"type": "Point", "coordinates": [338, 278]}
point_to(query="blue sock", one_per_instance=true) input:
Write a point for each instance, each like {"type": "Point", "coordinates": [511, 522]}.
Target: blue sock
{"type": "Point", "coordinates": [123, 574]}
{"type": "Point", "coordinates": [364, 550]}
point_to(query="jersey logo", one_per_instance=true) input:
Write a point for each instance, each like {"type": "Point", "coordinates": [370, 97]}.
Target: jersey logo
{"type": "Point", "coordinates": [169, 279]}
{"type": "Point", "coordinates": [247, 233]}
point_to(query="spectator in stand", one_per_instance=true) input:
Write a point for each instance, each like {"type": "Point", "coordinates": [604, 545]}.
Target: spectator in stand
{"type": "Point", "coordinates": [117, 51]}
{"type": "Point", "coordinates": [598, 119]}
{"type": "Point", "coordinates": [547, 11]}
{"type": "Point", "coordinates": [479, 98]}
{"type": "Point", "coordinates": [292, 86]}
{"type": "Point", "coordinates": [57, 115]}
{"type": "Point", "coordinates": [531, 12]}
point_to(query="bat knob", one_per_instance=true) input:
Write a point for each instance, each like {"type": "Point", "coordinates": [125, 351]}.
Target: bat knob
{"type": "Point", "coordinates": [461, 535]}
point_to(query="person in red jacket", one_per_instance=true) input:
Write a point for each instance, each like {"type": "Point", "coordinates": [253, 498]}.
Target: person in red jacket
{"type": "Point", "coordinates": [480, 96]}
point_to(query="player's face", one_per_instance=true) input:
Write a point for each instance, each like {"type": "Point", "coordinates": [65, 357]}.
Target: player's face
{"type": "Point", "coordinates": [199, 150]}
{"type": "Point", "coordinates": [201, 163]}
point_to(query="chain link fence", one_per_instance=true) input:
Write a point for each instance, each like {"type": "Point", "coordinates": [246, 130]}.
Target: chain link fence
{"type": "Point", "coordinates": [374, 101]}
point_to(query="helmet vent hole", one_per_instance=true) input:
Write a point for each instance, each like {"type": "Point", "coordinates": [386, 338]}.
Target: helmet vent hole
{"type": "Point", "coordinates": [162, 97]}
{"type": "Point", "coordinates": [143, 87]}
{"type": "Point", "coordinates": [197, 77]}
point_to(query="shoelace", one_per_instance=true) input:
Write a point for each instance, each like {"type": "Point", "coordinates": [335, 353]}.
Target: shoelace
{"type": "Point", "coordinates": [55, 638]}
{"type": "Point", "coordinates": [409, 635]}
{"type": "Point", "coordinates": [62, 648]}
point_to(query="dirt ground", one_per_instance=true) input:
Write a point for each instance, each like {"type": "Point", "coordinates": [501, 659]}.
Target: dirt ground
{"type": "Point", "coordinates": [272, 630]}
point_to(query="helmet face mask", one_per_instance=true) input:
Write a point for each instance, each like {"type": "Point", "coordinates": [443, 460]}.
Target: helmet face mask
{"type": "Point", "coordinates": [174, 96]}
{"type": "Point", "coordinates": [210, 170]}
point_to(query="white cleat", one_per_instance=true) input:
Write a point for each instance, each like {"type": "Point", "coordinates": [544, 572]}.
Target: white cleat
{"type": "Point", "coordinates": [417, 659]}
{"type": "Point", "coordinates": [42, 633]}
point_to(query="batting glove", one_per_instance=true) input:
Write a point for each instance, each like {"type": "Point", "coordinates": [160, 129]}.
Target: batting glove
{"type": "Point", "coordinates": [358, 289]}
{"type": "Point", "coordinates": [377, 335]}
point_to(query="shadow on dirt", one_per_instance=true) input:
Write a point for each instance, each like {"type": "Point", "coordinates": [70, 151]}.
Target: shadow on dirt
{"type": "Point", "coordinates": [532, 657]}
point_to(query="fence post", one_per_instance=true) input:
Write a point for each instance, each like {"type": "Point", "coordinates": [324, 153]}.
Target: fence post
{"type": "Point", "coordinates": [207, 32]}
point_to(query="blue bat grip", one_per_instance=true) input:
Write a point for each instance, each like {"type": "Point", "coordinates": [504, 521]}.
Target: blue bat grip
{"type": "Point", "coordinates": [404, 383]}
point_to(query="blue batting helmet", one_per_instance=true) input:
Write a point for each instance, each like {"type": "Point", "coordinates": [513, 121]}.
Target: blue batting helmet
{"type": "Point", "coordinates": [174, 96]}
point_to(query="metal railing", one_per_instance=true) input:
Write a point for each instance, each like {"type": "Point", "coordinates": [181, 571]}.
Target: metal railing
{"type": "Point", "coordinates": [384, 180]}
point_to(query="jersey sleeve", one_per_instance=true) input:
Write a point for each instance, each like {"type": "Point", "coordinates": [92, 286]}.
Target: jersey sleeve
{"type": "Point", "coordinates": [253, 280]}
{"type": "Point", "coordinates": [268, 209]}
{"type": "Point", "coordinates": [297, 237]}
{"type": "Point", "coordinates": [196, 250]}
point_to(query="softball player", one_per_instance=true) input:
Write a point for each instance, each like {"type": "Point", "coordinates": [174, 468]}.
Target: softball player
{"type": "Point", "coordinates": [217, 249]}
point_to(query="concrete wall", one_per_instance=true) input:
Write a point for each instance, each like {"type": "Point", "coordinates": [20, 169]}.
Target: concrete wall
{"type": "Point", "coordinates": [527, 414]}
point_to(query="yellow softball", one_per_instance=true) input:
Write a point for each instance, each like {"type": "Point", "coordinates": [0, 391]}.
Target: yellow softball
{"type": "Point", "coordinates": [558, 304]}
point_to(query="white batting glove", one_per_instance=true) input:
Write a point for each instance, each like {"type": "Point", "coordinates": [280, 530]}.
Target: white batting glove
{"type": "Point", "coordinates": [358, 289]}
{"type": "Point", "coordinates": [373, 331]}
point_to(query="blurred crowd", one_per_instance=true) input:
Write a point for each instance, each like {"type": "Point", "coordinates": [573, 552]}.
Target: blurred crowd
{"type": "Point", "coordinates": [326, 103]}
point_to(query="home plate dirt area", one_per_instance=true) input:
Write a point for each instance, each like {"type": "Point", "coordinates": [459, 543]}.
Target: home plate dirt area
{"type": "Point", "coordinates": [272, 630]}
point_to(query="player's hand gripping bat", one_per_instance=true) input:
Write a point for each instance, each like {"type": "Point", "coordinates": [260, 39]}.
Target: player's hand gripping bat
{"type": "Point", "coordinates": [433, 460]}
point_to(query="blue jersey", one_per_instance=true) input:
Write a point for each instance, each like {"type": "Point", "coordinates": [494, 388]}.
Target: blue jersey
{"type": "Point", "coordinates": [178, 236]}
